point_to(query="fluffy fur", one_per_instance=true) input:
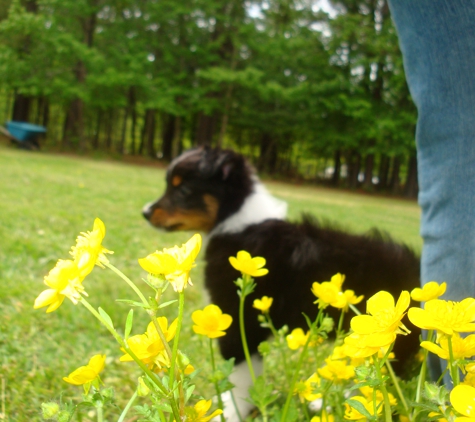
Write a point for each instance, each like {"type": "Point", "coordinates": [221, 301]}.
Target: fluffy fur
{"type": "Point", "coordinates": [217, 191]}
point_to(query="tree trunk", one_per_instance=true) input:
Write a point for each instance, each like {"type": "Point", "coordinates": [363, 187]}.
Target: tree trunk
{"type": "Point", "coordinates": [148, 133]}
{"type": "Point", "coordinates": [95, 139]}
{"type": "Point", "coordinates": [411, 188]}
{"type": "Point", "coordinates": [123, 134]}
{"type": "Point", "coordinates": [268, 154]}
{"type": "Point", "coordinates": [74, 125]}
{"type": "Point", "coordinates": [368, 171]}
{"type": "Point", "coordinates": [168, 134]}
{"type": "Point", "coordinates": [383, 172]}
{"type": "Point", "coordinates": [395, 181]}
{"type": "Point", "coordinates": [336, 168]}
{"type": "Point", "coordinates": [205, 129]}
{"type": "Point", "coordinates": [110, 129]}
{"type": "Point", "coordinates": [133, 112]}
{"type": "Point", "coordinates": [354, 165]}
{"type": "Point", "coordinates": [176, 143]}
{"type": "Point", "coordinates": [21, 108]}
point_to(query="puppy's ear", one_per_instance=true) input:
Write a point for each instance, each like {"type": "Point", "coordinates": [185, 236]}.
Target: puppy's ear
{"type": "Point", "coordinates": [227, 162]}
{"type": "Point", "coordinates": [226, 169]}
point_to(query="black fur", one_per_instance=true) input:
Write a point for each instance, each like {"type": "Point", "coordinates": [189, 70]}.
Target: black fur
{"type": "Point", "coordinates": [297, 255]}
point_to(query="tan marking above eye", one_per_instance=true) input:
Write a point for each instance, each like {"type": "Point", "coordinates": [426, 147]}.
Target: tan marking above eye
{"type": "Point", "coordinates": [176, 180]}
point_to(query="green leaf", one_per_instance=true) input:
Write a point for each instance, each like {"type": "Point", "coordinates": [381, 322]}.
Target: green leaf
{"type": "Point", "coordinates": [189, 392]}
{"type": "Point", "coordinates": [262, 393]}
{"type": "Point", "coordinates": [128, 324]}
{"type": "Point", "coordinates": [165, 304]}
{"type": "Point", "coordinates": [133, 303]}
{"type": "Point", "coordinates": [105, 316]}
{"type": "Point", "coordinates": [360, 408]}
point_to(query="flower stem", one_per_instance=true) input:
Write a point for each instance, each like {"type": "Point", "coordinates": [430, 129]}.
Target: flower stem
{"type": "Point", "coordinates": [153, 317]}
{"type": "Point", "coordinates": [422, 375]}
{"type": "Point", "coordinates": [216, 386]}
{"type": "Point", "coordinates": [387, 405]}
{"type": "Point", "coordinates": [173, 374]}
{"type": "Point", "coordinates": [454, 370]}
{"type": "Point", "coordinates": [242, 328]}
{"type": "Point", "coordinates": [125, 346]}
{"type": "Point", "coordinates": [397, 387]}
{"type": "Point", "coordinates": [299, 364]}
{"type": "Point", "coordinates": [100, 415]}
{"type": "Point", "coordinates": [282, 352]}
{"type": "Point", "coordinates": [127, 408]}
{"type": "Point", "coordinates": [128, 281]}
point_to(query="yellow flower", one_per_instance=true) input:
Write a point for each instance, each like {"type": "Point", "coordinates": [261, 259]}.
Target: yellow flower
{"type": "Point", "coordinates": [197, 413]}
{"type": "Point", "coordinates": [65, 281]}
{"type": "Point", "coordinates": [88, 250]}
{"type": "Point", "coordinates": [335, 370]}
{"type": "Point", "coordinates": [263, 304]}
{"type": "Point", "coordinates": [385, 317]}
{"type": "Point", "coordinates": [174, 263]}
{"type": "Point", "coordinates": [330, 293]}
{"type": "Point", "coordinates": [469, 379]}
{"type": "Point", "coordinates": [306, 389]}
{"type": "Point", "coordinates": [445, 316]}
{"type": "Point", "coordinates": [246, 264]}
{"type": "Point", "coordinates": [148, 347]}
{"type": "Point", "coordinates": [461, 347]}
{"type": "Point", "coordinates": [85, 375]}
{"type": "Point", "coordinates": [462, 398]}
{"type": "Point", "coordinates": [297, 338]}
{"type": "Point", "coordinates": [430, 291]}
{"type": "Point", "coordinates": [211, 322]}
{"type": "Point", "coordinates": [325, 417]}
{"type": "Point", "coordinates": [353, 415]}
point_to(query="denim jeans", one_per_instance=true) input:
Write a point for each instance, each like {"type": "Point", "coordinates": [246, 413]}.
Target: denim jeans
{"type": "Point", "coordinates": [437, 39]}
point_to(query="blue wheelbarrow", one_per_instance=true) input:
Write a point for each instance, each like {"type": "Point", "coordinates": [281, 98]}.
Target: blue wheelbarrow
{"type": "Point", "coordinates": [24, 134]}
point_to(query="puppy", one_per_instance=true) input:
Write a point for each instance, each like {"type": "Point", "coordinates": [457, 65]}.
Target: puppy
{"type": "Point", "coordinates": [218, 192]}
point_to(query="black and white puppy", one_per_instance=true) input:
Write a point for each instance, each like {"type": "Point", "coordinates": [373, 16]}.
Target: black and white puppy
{"type": "Point", "coordinates": [218, 192]}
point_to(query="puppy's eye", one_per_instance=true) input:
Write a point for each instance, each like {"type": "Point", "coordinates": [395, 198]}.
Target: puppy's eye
{"type": "Point", "coordinates": [183, 190]}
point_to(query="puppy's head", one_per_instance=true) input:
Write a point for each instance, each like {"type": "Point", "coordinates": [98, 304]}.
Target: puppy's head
{"type": "Point", "coordinates": [204, 186]}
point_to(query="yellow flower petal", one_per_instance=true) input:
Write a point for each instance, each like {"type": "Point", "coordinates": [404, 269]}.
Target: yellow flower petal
{"type": "Point", "coordinates": [159, 263]}
{"type": "Point", "coordinates": [430, 291]}
{"type": "Point", "coordinates": [381, 301]}
{"type": "Point", "coordinates": [462, 398]}
{"type": "Point", "coordinates": [364, 324]}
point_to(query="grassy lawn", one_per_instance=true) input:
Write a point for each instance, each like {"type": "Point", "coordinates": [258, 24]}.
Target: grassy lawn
{"type": "Point", "coordinates": [46, 200]}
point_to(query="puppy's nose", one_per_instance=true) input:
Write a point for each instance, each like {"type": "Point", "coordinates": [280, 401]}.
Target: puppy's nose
{"type": "Point", "coordinates": [147, 212]}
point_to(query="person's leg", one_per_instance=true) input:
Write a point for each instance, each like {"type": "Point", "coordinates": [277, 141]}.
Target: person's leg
{"type": "Point", "coordinates": [437, 39]}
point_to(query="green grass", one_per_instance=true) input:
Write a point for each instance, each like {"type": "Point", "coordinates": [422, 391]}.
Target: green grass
{"type": "Point", "coordinates": [46, 200]}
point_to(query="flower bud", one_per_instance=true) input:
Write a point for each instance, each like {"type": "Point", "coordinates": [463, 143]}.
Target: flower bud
{"type": "Point", "coordinates": [264, 348]}
{"type": "Point", "coordinates": [183, 360]}
{"type": "Point", "coordinates": [157, 281]}
{"type": "Point", "coordinates": [327, 324]}
{"type": "Point", "coordinates": [142, 389]}
{"type": "Point", "coordinates": [49, 410]}
{"type": "Point", "coordinates": [432, 391]}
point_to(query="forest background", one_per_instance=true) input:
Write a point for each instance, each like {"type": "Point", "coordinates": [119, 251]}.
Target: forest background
{"type": "Point", "coordinates": [303, 91]}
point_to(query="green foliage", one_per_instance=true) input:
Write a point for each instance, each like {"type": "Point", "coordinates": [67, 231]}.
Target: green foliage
{"type": "Point", "coordinates": [46, 200]}
{"type": "Point", "coordinates": [280, 80]}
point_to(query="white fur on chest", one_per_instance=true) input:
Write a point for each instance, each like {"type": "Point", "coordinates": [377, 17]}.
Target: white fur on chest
{"type": "Point", "coordinates": [259, 206]}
